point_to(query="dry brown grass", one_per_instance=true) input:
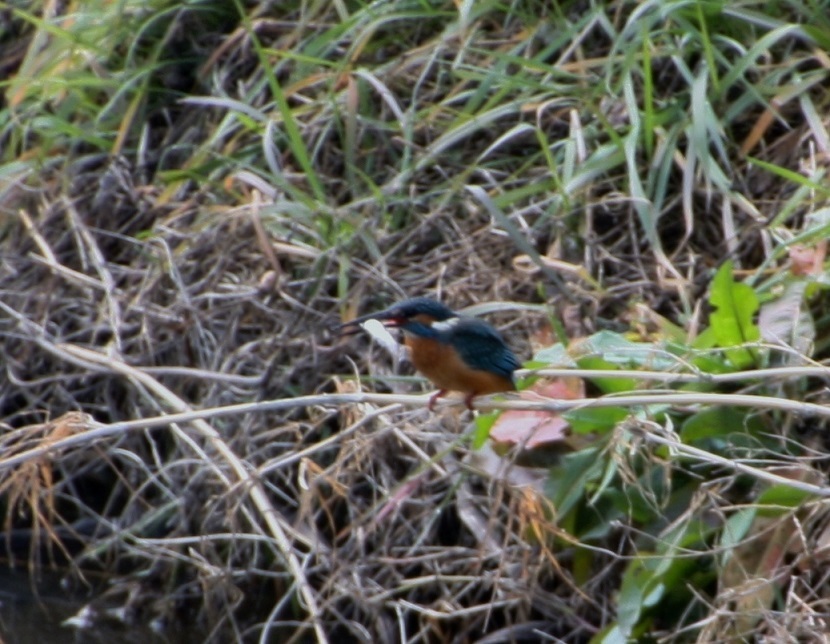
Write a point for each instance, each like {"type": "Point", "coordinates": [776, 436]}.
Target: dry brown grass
{"type": "Point", "coordinates": [202, 263]}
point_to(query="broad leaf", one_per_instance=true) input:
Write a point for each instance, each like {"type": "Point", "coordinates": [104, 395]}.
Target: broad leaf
{"type": "Point", "coordinates": [732, 322]}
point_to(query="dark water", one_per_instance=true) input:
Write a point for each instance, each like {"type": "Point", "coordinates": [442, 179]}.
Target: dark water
{"type": "Point", "coordinates": [33, 613]}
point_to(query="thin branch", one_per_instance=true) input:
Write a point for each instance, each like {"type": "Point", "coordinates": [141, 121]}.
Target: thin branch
{"type": "Point", "coordinates": [708, 457]}
{"type": "Point", "coordinates": [253, 485]}
{"type": "Point", "coordinates": [333, 400]}
{"type": "Point", "coordinates": [668, 376]}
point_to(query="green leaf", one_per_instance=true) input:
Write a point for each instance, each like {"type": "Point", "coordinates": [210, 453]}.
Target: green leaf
{"type": "Point", "coordinates": [732, 322]}
{"type": "Point", "coordinates": [619, 350]}
{"type": "Point", "coordinates": [780, 498]}
{"type": "Point", "coordinates": [483, 424]}
{"type": "Point", "coordinates": [641, 588]}
{"type": "Point", "coordinates": [599, 419]}
{"type": "Point", "coordinates": [554, 356]}
{"type": "Point", "coordinates": [610, 635]}
{"type": "Point", "coordinates": [717, 423]}
{"type": "Point", "coordinates": [735, 529]}
{"type": "Point", "coordinates": [607, 385]}
{"type": "Point", "coordinates": [567, 482]}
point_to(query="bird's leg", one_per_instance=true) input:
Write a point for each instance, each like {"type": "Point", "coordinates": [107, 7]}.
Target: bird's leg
{"type": "Point", "coordinates": [434, 399]}
{"type": "Point", "coordinates": [468, 400]}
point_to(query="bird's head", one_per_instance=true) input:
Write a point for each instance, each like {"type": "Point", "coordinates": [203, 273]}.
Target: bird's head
{"type": "Point", "coordinates": [411, 313]}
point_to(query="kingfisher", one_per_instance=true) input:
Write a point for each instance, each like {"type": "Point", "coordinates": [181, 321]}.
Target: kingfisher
{"type": "Point", "coordinates": [457, 353]}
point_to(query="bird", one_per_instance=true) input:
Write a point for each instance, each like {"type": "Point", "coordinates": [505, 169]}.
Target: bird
{"type": "Point", "coordinates": [455, 352]}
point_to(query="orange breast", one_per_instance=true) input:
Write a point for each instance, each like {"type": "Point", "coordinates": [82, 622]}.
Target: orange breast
{"type": "Point", "coordinates": [443, 366]}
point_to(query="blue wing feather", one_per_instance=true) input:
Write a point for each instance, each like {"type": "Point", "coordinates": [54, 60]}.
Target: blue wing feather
{"type": "Point", "coordinates": [481, 347]}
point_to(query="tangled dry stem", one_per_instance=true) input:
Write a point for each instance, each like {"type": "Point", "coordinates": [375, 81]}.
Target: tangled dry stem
{"type": "Point", "coordinates": [123, 300]}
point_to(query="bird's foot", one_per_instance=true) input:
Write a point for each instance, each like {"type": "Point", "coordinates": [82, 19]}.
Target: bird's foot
{"type": "Point", "coordinates": [468, 400]}
{"type": "Point", "coordinates": [434, 399]}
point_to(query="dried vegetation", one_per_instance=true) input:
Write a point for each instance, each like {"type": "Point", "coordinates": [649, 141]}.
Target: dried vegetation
{"type": "Point", "coordinates": [193, 195]}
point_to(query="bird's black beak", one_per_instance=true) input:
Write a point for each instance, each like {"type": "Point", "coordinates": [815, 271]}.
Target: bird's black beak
{"type": "Point", "coordinates": [390, 318]}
